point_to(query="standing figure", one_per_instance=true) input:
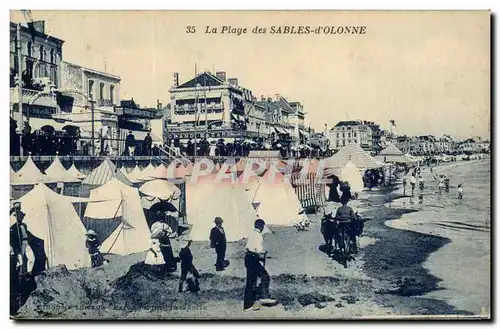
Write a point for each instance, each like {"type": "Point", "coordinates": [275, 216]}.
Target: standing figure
{"type": "Point", "coordinates": [413, 182]}
{"type": "Point", "coordinates": [255, 260]}
{"type": "Point", "coordinates": [93, 244]}
{"type": "Point", "coordinates": [186, 258]}
{"type": "Point", "coordinates": [441, 183]}
{"type": "Point", "coordinates": [447, 184]}
{"type": "Point", "coordinates": [404, 186]}
{"type": "Point", "coordinates": [148, 142]}
{"type": "Point", "coordinates": [154, 257]}
{"type": "Point", "coordinates": [421, 183]}
{"type": "Point", "coordinates": [218, 242]}
{"type": "Point", "coordinates": [130, 143]}
{"type": "Point", "coordinates": [161, 231]}
{"type": "Point", "coordinates": [19, 236]}
{"type": "Point", "coordinates": [460, 191]}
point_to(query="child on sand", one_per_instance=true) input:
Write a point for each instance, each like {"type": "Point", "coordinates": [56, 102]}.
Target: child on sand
{"type": "Point", "coordinates": [93, 244]}
{"type": "Point", "coordinates": [460, 191]}
{"type": "Point", "coordinates": [186, 258]}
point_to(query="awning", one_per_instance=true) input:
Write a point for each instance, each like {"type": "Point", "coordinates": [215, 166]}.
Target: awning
{"type": "Point", "coordinates": [237, 117]}
{"type": "Point", "coordinates": [280, 130]}
{"type": "Point", "coordinates": [37, 123]}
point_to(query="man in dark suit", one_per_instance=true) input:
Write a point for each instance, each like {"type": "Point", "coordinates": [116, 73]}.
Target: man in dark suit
{"type": "Point", "coordinates": [218, 241]}
{"type": "Point", "coordinates": [19, 236]}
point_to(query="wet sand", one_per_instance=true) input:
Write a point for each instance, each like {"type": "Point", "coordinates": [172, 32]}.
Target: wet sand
{"type": "Point", "coordinates": [464, 263]}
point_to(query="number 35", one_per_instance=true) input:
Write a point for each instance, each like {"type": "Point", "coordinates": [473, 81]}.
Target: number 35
{"type": "Point", "coordinates": [190, 29]}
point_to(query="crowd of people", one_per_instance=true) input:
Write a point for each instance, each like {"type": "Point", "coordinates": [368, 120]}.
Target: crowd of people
{"type": "Point", "coordinates": [160, 256]}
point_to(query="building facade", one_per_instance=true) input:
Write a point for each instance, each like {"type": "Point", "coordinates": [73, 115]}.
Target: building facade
{"type": "Point", "coordinates": [39, 68]}
{"type": "Point", "coordinates": [346, 132]}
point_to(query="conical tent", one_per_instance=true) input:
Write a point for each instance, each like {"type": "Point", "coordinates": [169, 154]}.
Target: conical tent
{"type": "Point", "coordinates": [104, 173]}
{"type": "Point", "coordinates": [392, 154]}
{"type": "Point", "coordinates": [57, 172]}
{"type": "Point", "coordinates": [73, 171]}
{"type": "Point", "coordinates": [29, 174]}
{"type": "Point", "coordinates": [208, 199]}
{"type": "Point", "coordinates": [352, 175]}
{"type": "Point", "coordinates": [134, 175]}
{"type": "Point", "coordinates": [52, 218]}
{"type": "Point", "coordinates": [352, 152]}
{"type": "Point", "coordinates": [279, 205]}
{"type": "Point", "coordinates": [132, 234]}
{"type": "Point", "coordinates": [163, 172]}
{"type": "Point", "coordinates": [147, 173]}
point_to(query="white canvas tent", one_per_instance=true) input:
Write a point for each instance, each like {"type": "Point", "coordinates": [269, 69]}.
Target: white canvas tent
{"type": "Point", "coordinates": [29, 174]}
{"type": "Point", "coordinates": [147, 173]}
{"type": "Point", "coordinates": [75, 172]}
{"type": "Point", "coordinates": [115, 199]}
{"type": "Point", "coordinates": [134, 174]}
{"type": "Point", "coordinates": [354, 153]}
{"type": "Point", "coordinates": [52, 218]}
{"type": "Point", "coordinates": [352, 175]}
{"type": "Point", "coordinates": [392, 154]}
{"type": "Point", "coordinates": [57, 172]}
{"type": "Point", "coordinates": [279, 205]}
{"type": "Point", "coordinates": [207, 199]}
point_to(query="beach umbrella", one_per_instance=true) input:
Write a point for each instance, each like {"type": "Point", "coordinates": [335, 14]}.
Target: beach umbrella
{"type": "Point", "coordinates": [161, 189]}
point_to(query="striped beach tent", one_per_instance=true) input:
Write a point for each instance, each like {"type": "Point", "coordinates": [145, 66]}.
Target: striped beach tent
{"type": "Point", "coordinates": [104, 173]}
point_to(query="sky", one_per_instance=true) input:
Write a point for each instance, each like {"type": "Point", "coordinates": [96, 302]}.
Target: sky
{"type": "Point", "coordinates": [427, 71]}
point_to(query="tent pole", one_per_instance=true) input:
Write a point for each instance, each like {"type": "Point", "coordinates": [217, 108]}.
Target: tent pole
{"type": "Point", "coordinates": [112, 245]}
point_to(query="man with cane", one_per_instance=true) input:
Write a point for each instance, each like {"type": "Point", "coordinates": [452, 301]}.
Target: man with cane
{"type": "Point", "coordinates": [255, 260]}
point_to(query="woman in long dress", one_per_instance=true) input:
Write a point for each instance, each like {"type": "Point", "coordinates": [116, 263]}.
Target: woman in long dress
{"type": "Point", "coordinates": [154, 257]}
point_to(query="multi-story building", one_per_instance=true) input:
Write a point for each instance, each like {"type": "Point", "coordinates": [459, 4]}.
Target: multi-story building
{"type": "Point", "coordinates": [475, 145]}
{"type": "Point", "coordinates": [208, 106]}
{"type": "Point", "coordinates": [346, 132]}
{"type": "Point", "coordinates": [40, 60]}
{"type": "Point", "coordinates": [377, 133]}
{"type": "Point", "coordinates": [445, 144]}
{"type": "Point", "coordinates": [80, 87]}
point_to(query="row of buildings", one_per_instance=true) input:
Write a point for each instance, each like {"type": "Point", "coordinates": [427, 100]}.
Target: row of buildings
{"type": "Point", "coordinates": [371, 137]}
{"type": "Point", "coordinates": [71, 99]}
{"type": "Point", "coordinates": [67, 99]}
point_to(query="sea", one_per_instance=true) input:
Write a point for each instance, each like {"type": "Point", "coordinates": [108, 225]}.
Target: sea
{"type": "Point", "coordinates": [463, 265]}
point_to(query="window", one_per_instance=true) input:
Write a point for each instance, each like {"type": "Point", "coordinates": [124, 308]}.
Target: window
{"type": "Point", "coordinates": [349, 135]}
{"type": "Point", "coordinates": [91, 88]}
{"type": "Point", "coordinates": [28, 49]}
{"type": "Point", "coordinates": [343, 135]}
{"type": "Point", "coordinates": [42, 53]}
{"type": "Point", "coordinates": [52, 56]}
{"type": "Point", "coordinates": [343, 142]}
{"type": "Point", "coordinates": [101, 91]}
{"type": "Point", "coordinates": [111, 94]}
{"type": "Point", "coordinates": [338, 135]}
{"type": "Point", "coordinates": [355, 134]}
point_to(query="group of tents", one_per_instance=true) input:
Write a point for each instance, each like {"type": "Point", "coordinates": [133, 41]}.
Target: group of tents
{"type": "Point", "coordinates": [119, 201]}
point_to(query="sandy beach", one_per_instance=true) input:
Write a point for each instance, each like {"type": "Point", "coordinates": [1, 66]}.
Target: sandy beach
{"type": "Point", "coordinates": [408, 265]}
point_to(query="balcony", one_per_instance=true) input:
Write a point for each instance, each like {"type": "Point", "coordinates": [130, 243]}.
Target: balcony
{"type": "Point", "coordinates": [105, 103]}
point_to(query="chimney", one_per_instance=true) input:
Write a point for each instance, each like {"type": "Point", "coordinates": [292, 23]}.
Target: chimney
{"type": "Point", "coordinates": [221, 75]}
{"type": "Point", "coordinates": [176, 79]}
{"type": "Point", "coordinates": [39, 26]}
{"type": "Point", "coordinates": [269, 99]}
{"type": "Point", "coordinates": [278, 96]}
{"type": "Point", "coordinates": [158, 104]}
{"type": "Point", "coordinates": [262, 98]}
{"type": "Point", "coordinates": [233, 81]}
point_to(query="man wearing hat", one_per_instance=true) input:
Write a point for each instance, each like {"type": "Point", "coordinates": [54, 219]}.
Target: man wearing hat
{"type": "Point", "coordinates": [254, 262]}
{"type": "Point", "coordinates": [218, 241]}
{"type": "Point", "coordinates": [19, 236]}
{"type": "Point", "coordinates": [93, 244]}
